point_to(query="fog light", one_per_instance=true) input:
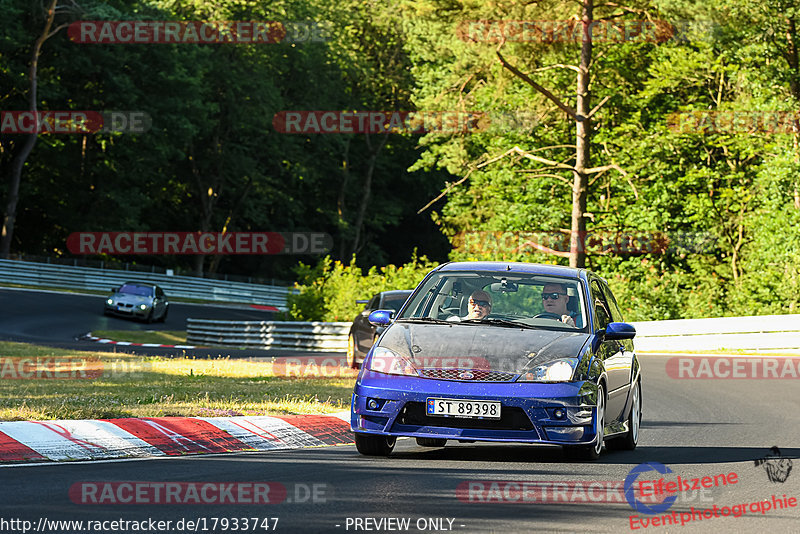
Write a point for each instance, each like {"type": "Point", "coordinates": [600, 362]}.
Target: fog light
{"type": "Point", "coordinates": [110, 301]}
{"type": "Point", "coordinates": [565, 433]}
{"type": "Point", "coordinates": [559, 413]}
{"type": "Point", "coordinates": [143, 306]}
{"type": "Point", "coordinates": [373, 404]}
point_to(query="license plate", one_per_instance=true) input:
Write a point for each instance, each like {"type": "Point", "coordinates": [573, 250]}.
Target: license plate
{"type": "Point", "coordinates": [464, 408]}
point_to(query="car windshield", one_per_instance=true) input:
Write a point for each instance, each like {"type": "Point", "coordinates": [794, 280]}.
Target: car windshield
{"type": "Point", "coordinates": [394, 302]}
{"type": "Point", "coordinates": [515, 299]}
{"type": "Point", "coordinates": [132, 289]}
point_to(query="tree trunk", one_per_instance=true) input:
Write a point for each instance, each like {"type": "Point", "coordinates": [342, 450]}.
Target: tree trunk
{"type": "Point", "coordinates": [365, 196]}
{"type": "Point", "coordinates": [10, 217]}
{"type": "Point", "coordinates": [577, 249]}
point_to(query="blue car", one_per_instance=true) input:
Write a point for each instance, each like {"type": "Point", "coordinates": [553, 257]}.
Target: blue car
{"type": "Point", "coordinates": [503, 352]}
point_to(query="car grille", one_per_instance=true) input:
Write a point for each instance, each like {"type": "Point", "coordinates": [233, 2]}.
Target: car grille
{"type": "Point", "coordinates": [478, 375]}
{"type": "Point", "coordinates": [124, 305]}
{"type": "Point", "coordinates": [511, 418]}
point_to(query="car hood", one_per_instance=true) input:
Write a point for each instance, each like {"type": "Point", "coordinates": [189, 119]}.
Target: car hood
{"type": "Point", "coordinates": [478, 346]}
{"type": "Point", "coordinates": [131, 299]}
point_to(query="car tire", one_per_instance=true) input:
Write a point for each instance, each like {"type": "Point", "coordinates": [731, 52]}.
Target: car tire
{"type": "Point", "coordinates": [371, 445]}
{"type": "Point", "coordinates": [592, 451]}
{"type": "Point", "coordinates": [163, 318]}
{"type": "Point", "coordinates": [149, 317]}
{"type": "Point", "coordinates": [628, 441]}
{"type": "Point", "coordinates": [431, 442]}
{"type": "Point", "coordinates": [351, 352]}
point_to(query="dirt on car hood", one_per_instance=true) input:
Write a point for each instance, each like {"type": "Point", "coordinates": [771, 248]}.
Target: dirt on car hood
{"type": "Point", "coordinates": [480, 346]}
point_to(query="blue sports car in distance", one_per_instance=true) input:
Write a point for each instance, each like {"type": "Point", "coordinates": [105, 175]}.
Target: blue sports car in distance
{"type": "Point", "coordinates": [504, 352]}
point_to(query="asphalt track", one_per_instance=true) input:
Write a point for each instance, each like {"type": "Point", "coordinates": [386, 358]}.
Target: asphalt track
{"type": "Point", "coordinates": [696, 428]}
{"type": "Point", "coordinates": [57, 319]}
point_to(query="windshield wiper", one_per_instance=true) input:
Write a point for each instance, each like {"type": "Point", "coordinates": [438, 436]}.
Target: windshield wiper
{"type": "Point", "coordinates": [497, 322]}
{"type": "Point", "coordinates": [423, 320]}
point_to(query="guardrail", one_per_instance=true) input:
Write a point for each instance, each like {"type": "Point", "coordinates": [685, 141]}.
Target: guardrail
{"type": "Point", "coordinates": [48, 275]}
{"type": "Point", "coordinates": [762, 333]}
{"type": "Point", "coordinates": [312, 336]}
{"type": "Point", "coordinates": [759, 333]}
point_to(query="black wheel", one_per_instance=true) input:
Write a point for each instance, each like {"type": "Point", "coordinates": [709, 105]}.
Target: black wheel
{"type": "Point", "coordinates": [149, 317]}
{"type": "Point", "coordinates": [351, 352]}
{"type": "Point", "coordinates": [370, 445]}
{"type": "Point", "coordinates": [164, 317]}
{"type": "Point", "coordinates": [628, 441]}
{"type": "Point", "coordinates": [592, 451]}
{"type": "Point", "coordinates": [548, 315]}
{"type": "Point", "coordinates": [431, 442]}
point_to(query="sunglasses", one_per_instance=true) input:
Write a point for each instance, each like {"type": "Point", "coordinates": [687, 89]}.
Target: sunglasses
{"type": "Point", "coordinates": [484, 303]}
{"type": "Point", "coordinates": [554, 296]}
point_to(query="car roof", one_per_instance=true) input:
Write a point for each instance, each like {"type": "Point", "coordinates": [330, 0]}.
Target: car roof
{"type": "Point", "coordinates": [142, 284]}
{"type": "Point", "coordinates": [513, 266]}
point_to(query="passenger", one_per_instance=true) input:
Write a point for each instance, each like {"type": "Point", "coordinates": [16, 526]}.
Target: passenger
{"type": "Point", "coordinates": [554, 301]}
{"type": "Point", "coordinates": [480, 305]}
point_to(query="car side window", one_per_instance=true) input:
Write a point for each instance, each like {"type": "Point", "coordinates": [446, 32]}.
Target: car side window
{"type": "Point", "coordinates": [374, 303]}
{"type": "Point", "coordinates": [601, 314]}
{"type": "Point", "coordinates": [616, 313]}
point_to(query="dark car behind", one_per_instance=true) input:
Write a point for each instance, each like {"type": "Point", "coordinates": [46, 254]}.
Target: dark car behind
{"type": "Point", "coordinates": [362, 334]}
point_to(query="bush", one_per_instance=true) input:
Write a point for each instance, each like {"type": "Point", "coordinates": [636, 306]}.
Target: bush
{"type": "Point", "coordinates": [328, 291]}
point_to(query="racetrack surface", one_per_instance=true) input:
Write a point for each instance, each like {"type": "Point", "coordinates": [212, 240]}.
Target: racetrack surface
{"type": "Point", "coordinates": [57, 319]}
{"type": "Point", "coordinates": [696, 428]}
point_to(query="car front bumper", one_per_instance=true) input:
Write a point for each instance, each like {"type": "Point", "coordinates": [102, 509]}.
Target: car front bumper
{"type": "Point", "coordinates": [528, 412]}
{"type": "Point", "coordinates": [134, 311]}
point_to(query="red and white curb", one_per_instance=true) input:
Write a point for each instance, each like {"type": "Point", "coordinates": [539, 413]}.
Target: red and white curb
{"type": "Point", "coordinates": [38, 441]}
{"type": "Point", "coordinates": [90, 337]}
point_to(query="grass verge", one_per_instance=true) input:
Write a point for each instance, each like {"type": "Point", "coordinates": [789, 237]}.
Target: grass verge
{"type": "Point", "coordinates": [41, 383]}
{"type": "Point", "coordinates": [164, 337]}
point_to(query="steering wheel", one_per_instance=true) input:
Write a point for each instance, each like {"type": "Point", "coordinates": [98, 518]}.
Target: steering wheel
{"type": "Point", "coordinates": [548, 315]}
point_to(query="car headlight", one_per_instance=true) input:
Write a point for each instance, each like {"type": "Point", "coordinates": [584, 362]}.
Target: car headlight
{"type": "Point", "coordinates": [555, 371]}
{"type": "Point", "coordinates": [389, 362]}
{"type": "Point", "coordinates": [110, 301]}
{"type": "Point", "coordinates": [142, 307]}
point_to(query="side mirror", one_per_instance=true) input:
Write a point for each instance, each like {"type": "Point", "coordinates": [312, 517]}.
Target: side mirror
{"type": "Point", "coordinates": [619, 331]}
{"type": "Point", "coordinates": [380, 317]}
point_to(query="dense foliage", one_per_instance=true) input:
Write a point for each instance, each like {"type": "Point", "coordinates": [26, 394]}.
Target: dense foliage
{"type": "Point", "coordinates": [726, 202]}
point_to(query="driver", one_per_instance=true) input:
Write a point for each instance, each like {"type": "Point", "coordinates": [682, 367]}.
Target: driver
{"type": "Point", "coordinates": [554, 300]}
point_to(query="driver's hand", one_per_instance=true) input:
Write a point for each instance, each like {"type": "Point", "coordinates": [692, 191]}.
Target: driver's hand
{"type": "Point", "coordinates": [566, 319]}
